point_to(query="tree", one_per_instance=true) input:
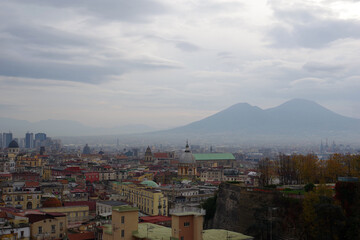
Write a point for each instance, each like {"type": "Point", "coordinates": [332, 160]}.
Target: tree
{"type": "Point", "coordinates": [334, 167]}
{"type": "Point", "coordinates": [321, 217]}
{"type": "Point", "coordinates": [307, 167]}
{"type": "Point", "coordinates": [266, 170]}
{"type": "Point", "coordinates": [286, 169]}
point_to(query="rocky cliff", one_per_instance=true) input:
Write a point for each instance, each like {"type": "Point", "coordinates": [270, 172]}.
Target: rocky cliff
{"type": "Point", "coordinates": [237, 207]}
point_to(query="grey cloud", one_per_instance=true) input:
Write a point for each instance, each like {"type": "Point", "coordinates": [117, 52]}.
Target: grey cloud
{"type": "Point", "coordinates": [180, 44]}
{"type": "Point", "coordinates": [322, 67]}
{"type": "Point", "coordinates": [225, 55]}
{"type": "Point", "coordinates": [56, 71]}
{"type": "Point", "coordinates": [35, 51]}
{"type": "Point", "coordinates": [188, 47]}
{"type": "Point", "coordinates": [44, 36]}
{"type": "Point", "coordinates": [308, 30]}
{"type": "Point", "coordinates": [77, 72]}
{"type": "Point", "coordinates": [119, 10]}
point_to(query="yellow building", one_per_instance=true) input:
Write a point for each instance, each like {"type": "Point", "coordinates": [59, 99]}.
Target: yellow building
{"type": "Point", "coordinates": [187, 224]}
{"type": "Point", "coordinates": [145, 176]}
{"type": "Point", "coordinates": [21, 195]}
{"type": "Point", "coordinates": [47, 225]}
{"type": "Point", "coordinates": [46, 173]}
{"type": "Point", "coordinates": [24, 161]}
{"type": "Point", "coordinates": [74, 213]}
{"type": "Point", "coordinates": [124, 223]}
{"type": "Point", "coordinates": [145, 196]}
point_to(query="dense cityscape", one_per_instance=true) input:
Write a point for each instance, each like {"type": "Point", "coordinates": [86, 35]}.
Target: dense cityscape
{"type": "Point", "coordinates": [55, 191]}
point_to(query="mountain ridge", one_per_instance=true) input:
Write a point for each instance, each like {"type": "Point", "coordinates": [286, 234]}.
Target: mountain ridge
{"type": "Point", "coordinates": [294, 120]}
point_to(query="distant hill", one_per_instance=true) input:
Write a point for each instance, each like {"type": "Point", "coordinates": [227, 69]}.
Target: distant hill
{"type": "Point", "coordinates": [297, 119]}
{"type": "Point", "coordinates": [66, 128]}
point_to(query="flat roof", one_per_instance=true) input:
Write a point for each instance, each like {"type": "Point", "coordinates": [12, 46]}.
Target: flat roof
{"type": "Point", "coordinates": [125, 208]}
{"type": "Point", "coordinates": [112, 203]}
{"type": "Point", "coordinates": [215, 234]}
{"type": "Point", "coordinates": [153, 231]}
{"type": "Point", "coordinates": [213, 156]}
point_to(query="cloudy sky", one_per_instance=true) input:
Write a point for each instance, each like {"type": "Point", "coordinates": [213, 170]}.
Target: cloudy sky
{"type": "Point", "coordinates": [167, 63]}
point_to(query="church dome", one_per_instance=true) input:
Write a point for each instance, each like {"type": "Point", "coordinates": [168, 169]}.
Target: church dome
{"type": "Point", "coordinates": [187, 156]}
{"type": "Point", "coordinates": [13, 144]}
{"type": "Point", "coordinates": [149, 183]}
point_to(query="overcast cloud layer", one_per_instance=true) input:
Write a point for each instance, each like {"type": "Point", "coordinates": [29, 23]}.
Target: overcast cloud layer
{"type": "Point", "coordinates": [167, 63]}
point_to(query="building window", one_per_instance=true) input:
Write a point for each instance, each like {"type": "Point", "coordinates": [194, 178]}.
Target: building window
{"type": "Point", "coordinates": [22, 233]}
{"type": "Point", "coordinates": [40, 230]}
{"type": "Point", "coordinates": [122, 233]}
{"type": "Point", "coordinates": [122, 219]}
{"type": "Point", "coordinates": [53, 229]}
{"type": "Point", "coordinates": [61, 226]}
{"type": "Point", "coordinates": [186, 224]}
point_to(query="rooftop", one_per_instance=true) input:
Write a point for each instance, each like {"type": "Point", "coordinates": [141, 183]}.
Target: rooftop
{"type": "Point", "coordinates": [213, 156]}
{"type": "Point", "coordinates": [112, 203]}
{"type": "Point", "coordinates": [215, 234]}
{"type": "Point", "coordinates": [125, 208]}
{"type": "Point", "coordinates": [153, 231]}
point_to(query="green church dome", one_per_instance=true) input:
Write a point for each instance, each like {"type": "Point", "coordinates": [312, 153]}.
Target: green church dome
{"type": "Point", "coordinates": [149, 183]}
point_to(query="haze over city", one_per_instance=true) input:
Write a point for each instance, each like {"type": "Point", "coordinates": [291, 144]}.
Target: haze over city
{"type": "Point", "coordinates": [169, 63]}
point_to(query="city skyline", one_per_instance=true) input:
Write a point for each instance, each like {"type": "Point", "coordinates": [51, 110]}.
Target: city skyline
{"type": "Point", "coordinates": [167, 64]}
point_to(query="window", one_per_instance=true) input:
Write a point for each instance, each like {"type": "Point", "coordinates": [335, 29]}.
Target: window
{"type": "Point", "coordinates": [40, 230]}
{"type": "Point", "coordinates": [182, 238]}
{"type": "Point", "coordinates": [22, 233]}
{"type": "Point", "coordinates": [186, 224]}
{"type": "Point", "coordinates": [122, 219]}
{"type": "Point", "coordinates": [61, 226]}
{"type": "Point", "coordinates": [53, 229]}
{"type": "Point", "coordinates": [122, 233]}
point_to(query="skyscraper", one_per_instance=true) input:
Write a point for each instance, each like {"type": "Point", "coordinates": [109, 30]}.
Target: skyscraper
{"type": "Point", "coordinates": [40, 137]}
{"type": "Point", "coordinates": [29, 140]}
{"type": "Point", "coordinates": [7, 138]}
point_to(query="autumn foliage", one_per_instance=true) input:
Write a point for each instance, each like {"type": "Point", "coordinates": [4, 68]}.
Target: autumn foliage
{"type": "Point", "coordinates": [303, 169]}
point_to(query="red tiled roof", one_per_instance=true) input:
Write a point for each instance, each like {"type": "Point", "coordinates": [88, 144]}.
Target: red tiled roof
{"type": "Point", "coordinates": [81, 236]}
{"type": "Point", "coordinates": [5, 174]}
{"type": "Point", "coordinates": [32, 184]}
{"type": "Point", "coordinates": [161, 155]}
{"type": "Point", "coordinates": [155, 219]}
{"type": "Point", "coordinates": [56, 214]}
{"type": "Point", "coordinates": [78, 190]}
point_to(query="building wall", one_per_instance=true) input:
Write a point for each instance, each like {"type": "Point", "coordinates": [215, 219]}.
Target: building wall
{"type": "Point", "coordinates": [187, 226]}
{"type": "Point", "coordinates": [146, 199]}
{"type": "Point", "coordinates": [22, 233]}
{"type": "Point", "coordinates": [50, 228]}
{"type": "Point", "coordinates": [21, 199]}
{"type": "Point", "coordinates": [74, 213]}
{"type": "Point", "coordinates": [123, 225]}
{"type": "Point", "coordinates": [129, 225]}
